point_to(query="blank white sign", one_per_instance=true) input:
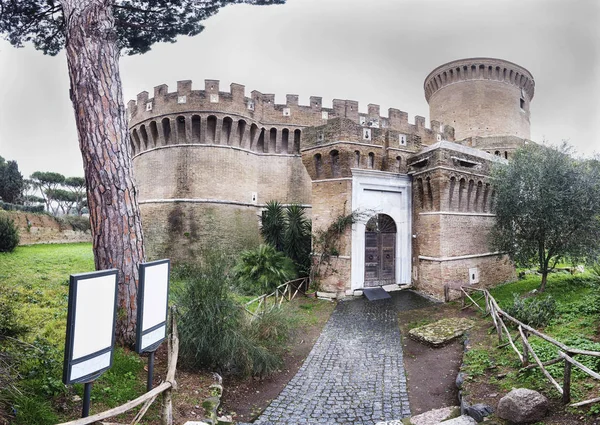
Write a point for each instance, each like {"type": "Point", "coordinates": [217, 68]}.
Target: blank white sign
{"type": "Point", "coordinates": [94, 315]}
{"type": "Point", "coordinates": [156, 286]}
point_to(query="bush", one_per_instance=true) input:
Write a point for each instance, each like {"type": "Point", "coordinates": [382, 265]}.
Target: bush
{"type": "Point", "coordinates": [76, 222]}
{"type": "Point", "coordinates": [9, 235]}
{"type": "Point", "coordinates": [535, 312]}
{"type": "Point", "coordinates": [261, 270]}
{"type": "Point", "coordinates": [213, 330]}
{"type": "Point", "coordinates": [14, 207]}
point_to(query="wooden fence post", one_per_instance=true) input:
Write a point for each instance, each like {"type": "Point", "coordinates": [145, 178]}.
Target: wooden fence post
{"type": "Point", "coordinates": [173, 353]}
{"type": "Point", "coordinates": [525, 351]}
{"type": "Point", "coordinates": [566, 396]}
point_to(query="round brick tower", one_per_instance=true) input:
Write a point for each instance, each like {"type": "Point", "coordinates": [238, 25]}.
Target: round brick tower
{"type": "Point", "coordinates": [481, 98]}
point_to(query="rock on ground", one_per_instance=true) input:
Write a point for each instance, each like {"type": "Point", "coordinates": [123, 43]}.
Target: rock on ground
{"type": "Point", "coordinates": [434, 417]}
{"type": "Point", "coordinates": [522, 405]}
{"type": "Point", "coordinates": [461, 420]}
{"type": "Point", "coordinates": [441, 332]}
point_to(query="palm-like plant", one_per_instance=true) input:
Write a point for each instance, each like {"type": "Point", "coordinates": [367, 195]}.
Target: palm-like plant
{"type": "Point", "coordinates": [297, 238]}
{"type": "Point", "coordinates": [263, 269]}
{"type": "Point", "coordinates": [273, 224]}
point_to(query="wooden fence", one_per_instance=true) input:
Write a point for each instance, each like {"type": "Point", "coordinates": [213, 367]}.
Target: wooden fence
{"type": "Point", "coordinates": [565, 353]}
{"type": "Point", "coordinates": [165, 389]}
{"type": "Point", "coordinates": [286, 291]}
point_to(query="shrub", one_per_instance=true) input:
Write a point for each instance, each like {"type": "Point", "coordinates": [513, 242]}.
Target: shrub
{"type": "Point", "coordinates": [9, 235]}
{"type": "Point", "coordinates": [15, 207]}
{"type": "Point", "coordinates": [535, 312]}
{"type": "Point", "coordinates": [212, 327]}
{"type": "Point", "coordinates": [76, 222]}
{"type": "Point", "coordinates": [261, 270]}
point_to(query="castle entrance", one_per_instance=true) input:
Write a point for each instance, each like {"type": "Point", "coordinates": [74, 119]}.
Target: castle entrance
{"type": "Point", "coordinates": [380, 251]}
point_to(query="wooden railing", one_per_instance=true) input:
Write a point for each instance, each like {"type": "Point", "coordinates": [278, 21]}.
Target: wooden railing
{"type": "Point", "coordinates": [565, 353]}
{"type": "Point", "coordinates": [286, 291]}
{"type": "Point", "coordinates": [165, 388]}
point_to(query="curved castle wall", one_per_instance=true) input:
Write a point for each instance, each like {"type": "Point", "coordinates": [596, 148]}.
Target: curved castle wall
{"type": "Point", "coordinates": [207, 161]}
{"type": "Point", "coordinates": [481, 97]}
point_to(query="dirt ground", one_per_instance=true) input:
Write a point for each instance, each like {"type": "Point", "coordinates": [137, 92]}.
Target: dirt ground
{"type": "Point", "coordinates": [430, 372]}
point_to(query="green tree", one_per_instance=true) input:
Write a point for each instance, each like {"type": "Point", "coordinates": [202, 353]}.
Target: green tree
{"type": "Point", "coordinates": [76, 185]}
{"type": "Point", "coordinates": [94, 34]}
{"type": "Point", "coordinates": [11, 181]}
{"type": "Point", "coordinates": [547, 207]}
{"type": "Point", "coordinates": [64, 199]}
{"type": "Point", "coordinates": [46, 182]}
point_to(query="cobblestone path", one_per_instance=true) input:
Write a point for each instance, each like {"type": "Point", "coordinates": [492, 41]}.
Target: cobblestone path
{"type": "Point", "coordinates": [354, 373]}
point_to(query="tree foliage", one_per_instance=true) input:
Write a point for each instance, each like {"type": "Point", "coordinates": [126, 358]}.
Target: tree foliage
{"type": "Point", "coordinates": [138, 23]}
{"type": "Point", "coordinates": [547, 207]}
{"type": "Point", "coordinates": [289, 231]}
{"type": "Point", "coordinates": [46, 182]}
{"type": "Point", "coordinates": [11, 182]}
{"type": "Point", "coordinates": [9, 234]}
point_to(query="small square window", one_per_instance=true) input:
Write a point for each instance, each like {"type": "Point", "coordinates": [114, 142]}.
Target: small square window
{"type": "Point", "coordinates": [181, 99]}
{"type": "Point", "coordinates": [286, 112]}
{"type": "Point", "coordinates": [214, 98]}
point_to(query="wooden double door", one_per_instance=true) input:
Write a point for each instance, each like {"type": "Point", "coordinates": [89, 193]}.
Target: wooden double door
{"type": "Point", "coordinates": [380, 251]}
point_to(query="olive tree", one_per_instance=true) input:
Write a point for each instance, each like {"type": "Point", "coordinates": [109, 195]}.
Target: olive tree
{"type": "Point", "coordinates": [547, 207]}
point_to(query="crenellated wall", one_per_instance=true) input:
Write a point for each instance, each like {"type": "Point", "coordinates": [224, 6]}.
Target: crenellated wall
{"type": "Point", "coordinates": [201, 154]}
{"type": "Point", "coordinates": [481, 97]}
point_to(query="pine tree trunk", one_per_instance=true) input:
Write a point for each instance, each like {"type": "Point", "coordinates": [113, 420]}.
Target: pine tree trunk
{"type": "Point", "coordinates": [93, 61]}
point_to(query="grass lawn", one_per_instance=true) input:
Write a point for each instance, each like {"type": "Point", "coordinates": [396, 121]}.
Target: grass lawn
{"type": "Point", "coordinates": [37, 276]}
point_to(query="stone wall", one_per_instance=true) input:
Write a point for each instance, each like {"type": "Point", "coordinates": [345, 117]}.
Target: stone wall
{"type": "Point", "coordinates": [330, 200]}
{"type": "Point", "coordinates": [183, 231]}
{"type": "Point", "coordinates": [43, 228]}
{"type": "Point", "coordinates": [492, 269]}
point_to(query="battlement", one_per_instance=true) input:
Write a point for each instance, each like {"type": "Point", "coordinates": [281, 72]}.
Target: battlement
{"type": "Point", "coordinates": [262, 109]}
{"type": "Point", "coordinates": [479, 69]}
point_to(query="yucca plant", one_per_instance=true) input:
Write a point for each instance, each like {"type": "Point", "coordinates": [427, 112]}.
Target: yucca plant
{"type": "Point", "coordinates": [297, 238]}
{"type": "Point", "coordinates": [273, 225]}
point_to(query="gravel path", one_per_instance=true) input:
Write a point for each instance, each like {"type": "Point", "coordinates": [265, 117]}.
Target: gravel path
{"type": "Point", "coordinates": [354, 373]}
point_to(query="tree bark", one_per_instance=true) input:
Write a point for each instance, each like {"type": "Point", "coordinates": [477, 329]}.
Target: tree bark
{"type": "Point", "coordinates": [93, 62]}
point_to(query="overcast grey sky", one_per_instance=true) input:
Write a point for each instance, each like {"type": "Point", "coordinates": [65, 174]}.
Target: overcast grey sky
{"type": "Point", "coordinates": [372, 51]}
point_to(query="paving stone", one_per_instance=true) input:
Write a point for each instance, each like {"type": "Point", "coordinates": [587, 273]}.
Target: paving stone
{"type": "Point", "coordinates": [441, 332]}
{"type": "Point", "coordinates": [354, 373]}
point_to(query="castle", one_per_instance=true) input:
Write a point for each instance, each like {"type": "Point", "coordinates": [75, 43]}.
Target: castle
{"type": "Point", "coordinates": [207, 161]}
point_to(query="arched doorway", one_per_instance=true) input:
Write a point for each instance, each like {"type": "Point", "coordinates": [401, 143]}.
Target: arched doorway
{"type": "Point", "coordinates": [380, 251]}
